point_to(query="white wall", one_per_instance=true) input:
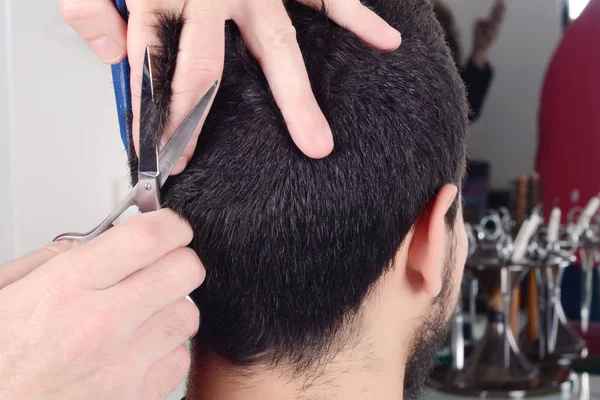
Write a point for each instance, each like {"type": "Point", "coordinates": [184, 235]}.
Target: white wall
{"type": "Point", "coordinates": [6, 198]}
{"type": "Point", "coordinates": [506, 133]}
{"type": "Point", "coordinates": [67, 150]}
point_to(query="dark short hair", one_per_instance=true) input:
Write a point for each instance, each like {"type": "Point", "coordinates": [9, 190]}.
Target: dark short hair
{"type": "Point", "coordinates": [292, 245]}
{"type": "Point", "coordinates": [446, 19]}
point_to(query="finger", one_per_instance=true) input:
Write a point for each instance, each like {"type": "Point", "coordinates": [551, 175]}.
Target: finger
{"type": "Point", "coordinates": [15, 270]}
{"type": "Point", "coordinates": [165, 331]}
{"type": "Point", "coordinates": [498, 11]}
{"type": "Point", "coordinates": [360, 20]}
{"type": "Point", "coordinates": [123, 250]}
{"type": "Point", "coordinates": [199, 65]}
{"type": "Point", "coordinates": [100, 25]}
{"type": "Point", "coordinates": [141, 34]}
{"type": "Point", "coordinates": [495, 26]}
{"type": "Point", "coordinates": [490, 29]}
{"type": "Point", "coordinates": [270, 36]}
{"type": "Point", "coordinates": [480, 27]}
{"type": "Point", "coordinates": [166, 374]}
{"type": "Point", "coordinates": [172, 277]}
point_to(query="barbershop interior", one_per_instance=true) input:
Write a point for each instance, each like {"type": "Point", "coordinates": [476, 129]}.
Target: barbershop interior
{"type": "Point", "coordinates": [527, 323]}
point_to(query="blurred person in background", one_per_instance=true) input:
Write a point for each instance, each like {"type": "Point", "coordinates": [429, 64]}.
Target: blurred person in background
{"type": "Point", "coordinates": [477, 73]}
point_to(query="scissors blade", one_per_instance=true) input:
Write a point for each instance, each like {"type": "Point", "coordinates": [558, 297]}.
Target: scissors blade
{"type": "Point", "coordinates": [148, 158]}
{"type": "Point", "coordinates": [174, 148]}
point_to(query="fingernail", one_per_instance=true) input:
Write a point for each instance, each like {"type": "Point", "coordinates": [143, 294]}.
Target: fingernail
{"type": "Point", "coordinates": [199, 321]}
{"type": "Point", "coordinates": [108, 48]}
{"type": "Point", "coordinates": [395, 34]}
{"type": "Point", "coordinates": [179, 165]}
{"type": "Point", "coordinates": [324, 140]}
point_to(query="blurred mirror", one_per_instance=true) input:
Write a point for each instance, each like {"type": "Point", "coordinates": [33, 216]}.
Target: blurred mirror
{"type": "Point", "coordinates": [504, 49]}
{"type": "Point", "coordinates": [530, 69]}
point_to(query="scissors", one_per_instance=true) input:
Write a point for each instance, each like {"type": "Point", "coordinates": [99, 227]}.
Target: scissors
{"type": "Point", "coordinates": [153, 168]}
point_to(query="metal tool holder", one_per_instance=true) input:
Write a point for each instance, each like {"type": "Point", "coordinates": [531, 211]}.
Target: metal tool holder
{"type": "Point", "coordinates": [584, 225]}
{"type": "Point", "coordinates": [558, 343]}
{"type": "Point", "coordinates": [497, 367]}
{"type": "Point", "coordinates": [461, 319]}
{"type": "Point", "coordinates": [589, 256]}
{"type": "Point", "coordinates": [497, 361]}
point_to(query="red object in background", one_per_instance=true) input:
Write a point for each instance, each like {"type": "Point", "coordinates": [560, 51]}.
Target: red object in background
{"type": "Point", "coordinates": [592, 337]}
{"type": "Point", "coordinates": [569, 121]}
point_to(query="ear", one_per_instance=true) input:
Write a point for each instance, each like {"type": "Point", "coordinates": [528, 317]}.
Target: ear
{"type": "Point", "coordinates": [427, 250]}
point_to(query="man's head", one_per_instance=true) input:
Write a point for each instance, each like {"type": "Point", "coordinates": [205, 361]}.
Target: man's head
{"type": "Point", "coordinates": [306, 258]}
{"type": "Point", "coordinates": [446, 19]}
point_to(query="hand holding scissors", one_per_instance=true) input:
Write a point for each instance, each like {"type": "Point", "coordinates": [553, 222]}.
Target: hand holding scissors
{"type": "Point", "coordinates": [153, 168]}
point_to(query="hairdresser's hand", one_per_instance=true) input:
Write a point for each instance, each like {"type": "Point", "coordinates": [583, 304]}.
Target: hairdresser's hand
{"type": "Point", "coordinates": [268, 33]}
{"type": "Point", "coordinates": [486, 32]}
{"type": "Point", "coordinates": [107, 320]}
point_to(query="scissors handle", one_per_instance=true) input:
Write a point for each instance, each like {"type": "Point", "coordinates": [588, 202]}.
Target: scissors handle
{"type": "Point", "coordinates": [122, 8]}
{"type": "Point", "coordinates": [129, 201]}
{"type": "Point", "coordinates": [121, 82]}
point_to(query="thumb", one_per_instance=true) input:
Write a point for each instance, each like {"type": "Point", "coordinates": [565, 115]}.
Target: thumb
{"type": "Point", "coordinates": [100, 25]}
{"type": "Point", "coordinates": [15, 270]}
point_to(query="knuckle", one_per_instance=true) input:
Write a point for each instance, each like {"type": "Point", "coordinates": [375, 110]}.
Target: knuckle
{"type": "Point", "coordinates": [181, 361]}
{"type": "Point", "coordinates": [279, 37]}
{"type": "Point", "coordinates": [88, 335]}
{"type": "Point", "coordinates": [177, 225]}
{"type": "Point", "coordinates": [200, 69]}
{"type": "Point", "coordinates": [302, 99]}
{"type": "Point", "coordinates": [58, 247]}
{"type": "Point", "coordinates": [137, 295]}
{"type": "Point", "coordinates": [184, 321]}
{"type": "Point", "coordinates": [141, 233]}
{"type": "Point", "coordinates": [61, 289]}
{"type": "Point", "coordinates": [205, 13]}
{"type": "Point", "coordinates": [174, 371]}
{"type": "Point", "coordinates": [190, 266]}
{"type": "Point", "coordinates": [113, 377]}
{"type": "Point", "coordinates": [76, 10]}
{"type": "Point", "coordinates": [57, 294]}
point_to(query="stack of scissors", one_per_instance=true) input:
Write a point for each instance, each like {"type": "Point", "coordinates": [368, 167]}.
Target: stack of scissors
{"type": "Point", "coordinates": [154, 168]}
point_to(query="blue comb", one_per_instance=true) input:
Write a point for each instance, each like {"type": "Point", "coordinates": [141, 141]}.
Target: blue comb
{"type": "Point", "coordinates": [121, 81]}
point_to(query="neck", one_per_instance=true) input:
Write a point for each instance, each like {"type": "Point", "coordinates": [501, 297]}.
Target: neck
{"type": "Point", "coordinates": [363, 376]}
{"type": "Point", "coordinates": [372, 367]}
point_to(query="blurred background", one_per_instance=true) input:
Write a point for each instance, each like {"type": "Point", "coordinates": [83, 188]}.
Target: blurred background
{"type": "Point", "coordinates": [528, 66]}
{"type": "Point", "coordinates": [505, 132]}
{"type": "Point", "coordinates": [528, 322]}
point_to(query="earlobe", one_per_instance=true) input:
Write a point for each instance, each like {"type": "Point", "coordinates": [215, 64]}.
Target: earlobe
{"type": "Point", "coordinates": [427, 250]}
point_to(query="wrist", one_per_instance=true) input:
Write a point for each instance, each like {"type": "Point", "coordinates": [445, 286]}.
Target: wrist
{"type": "Point", "coordinates": [479, 60]}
